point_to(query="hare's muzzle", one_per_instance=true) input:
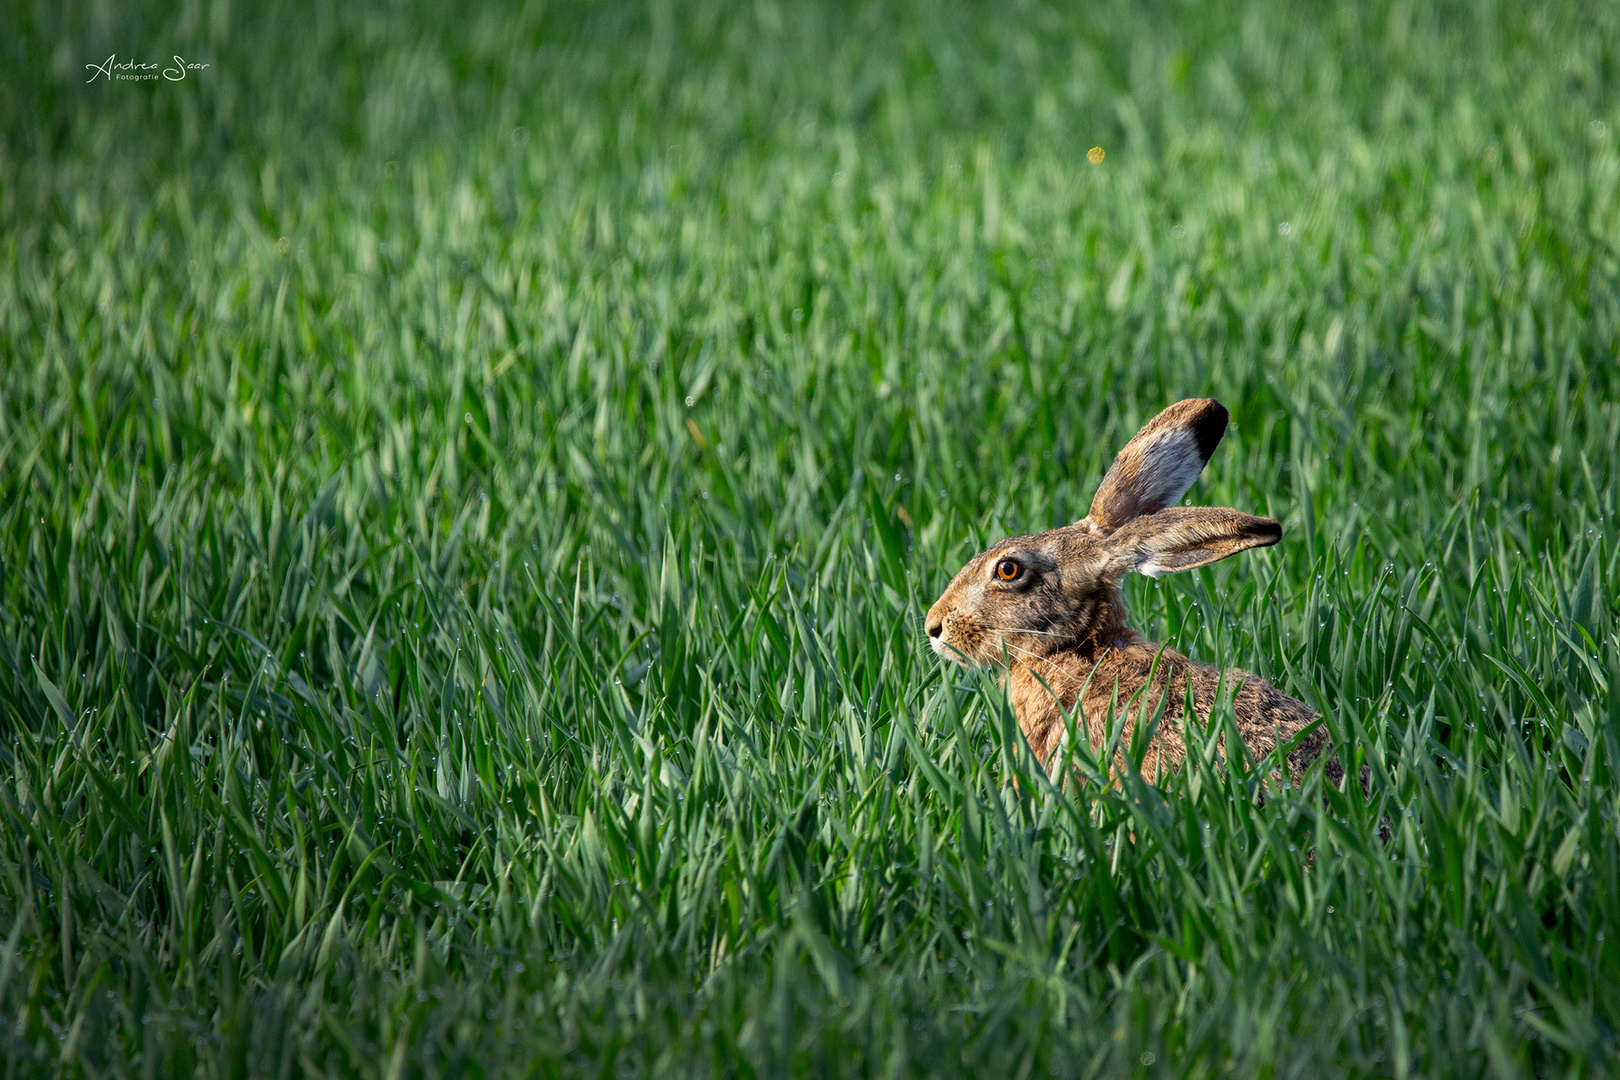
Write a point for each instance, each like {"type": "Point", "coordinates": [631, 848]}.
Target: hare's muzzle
{"type": "Point", "coordinates": [934, 624]}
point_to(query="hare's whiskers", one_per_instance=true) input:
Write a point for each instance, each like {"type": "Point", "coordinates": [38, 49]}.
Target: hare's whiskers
{"type": "Point", "coordinates": [1017, 630]}
{"type": "Point", "coordinates": [1045, 660]}
{"type": "Point", "coordinates": [1020, 648]}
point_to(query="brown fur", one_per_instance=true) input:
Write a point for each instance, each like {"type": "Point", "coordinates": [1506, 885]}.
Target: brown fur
{"type": "Point", "coordinates": [1059, 630]}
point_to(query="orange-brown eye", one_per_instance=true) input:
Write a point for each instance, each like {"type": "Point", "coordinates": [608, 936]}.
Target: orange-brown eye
{"type": "Point", "coordinates": [1008, 569]}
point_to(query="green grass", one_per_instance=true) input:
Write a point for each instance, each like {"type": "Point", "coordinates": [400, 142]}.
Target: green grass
{"type": "Point", "coordinates": [470, 481]}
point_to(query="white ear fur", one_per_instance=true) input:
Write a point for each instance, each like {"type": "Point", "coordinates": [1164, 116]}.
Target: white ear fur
{"type": "Point", "coordinates": [1170, 465]}
{"type": "Point", "coordinates": [1155, 469]}
{"type": "Point", "coordinates": [1152, 569]}
{"type": "Point", "coordinates": [1184, 538]}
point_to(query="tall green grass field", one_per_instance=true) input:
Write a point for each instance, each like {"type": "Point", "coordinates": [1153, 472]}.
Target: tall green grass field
{"type": "Point", "coordinates": [471, 477]}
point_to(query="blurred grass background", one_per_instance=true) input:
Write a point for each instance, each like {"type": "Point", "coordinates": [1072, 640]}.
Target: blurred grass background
{"type": "Point", "coordinates": [470, 479]}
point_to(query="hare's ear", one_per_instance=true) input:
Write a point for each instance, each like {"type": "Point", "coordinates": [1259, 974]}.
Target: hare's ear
{"type": "Point", "coordinates": [1158, 465]}
{"type": "Point", "coordinates": [1185, 537]}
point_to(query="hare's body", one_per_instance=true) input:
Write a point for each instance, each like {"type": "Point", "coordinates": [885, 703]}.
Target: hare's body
{"type": "Point", "coordinates": [1042, 691]}
{"type": "Point", "coordinates": [1048, 609]}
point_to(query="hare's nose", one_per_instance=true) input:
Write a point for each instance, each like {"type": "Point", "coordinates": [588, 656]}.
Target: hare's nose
{"type": "Point", "coordinates": [936, 626]}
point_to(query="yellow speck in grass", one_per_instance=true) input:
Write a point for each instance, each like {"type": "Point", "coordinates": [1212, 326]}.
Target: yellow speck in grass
{"type": "Point", "coordinates": [1095, 155]}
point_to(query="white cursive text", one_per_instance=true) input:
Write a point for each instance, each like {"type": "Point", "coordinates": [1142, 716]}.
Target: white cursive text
{"type": "Point", "coordinates": [135, 70]}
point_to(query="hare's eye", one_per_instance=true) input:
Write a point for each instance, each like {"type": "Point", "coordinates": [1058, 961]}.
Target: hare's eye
{"type": "Point", "coordinates": [1008, 569]}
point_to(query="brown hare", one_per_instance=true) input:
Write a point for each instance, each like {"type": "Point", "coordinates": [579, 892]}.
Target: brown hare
{"type": "Point", "coordinates": [1048, 609]}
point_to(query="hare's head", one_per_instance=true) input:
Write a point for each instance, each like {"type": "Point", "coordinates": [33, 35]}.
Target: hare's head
{"type": "Point", "coordinates": [1032, 596]}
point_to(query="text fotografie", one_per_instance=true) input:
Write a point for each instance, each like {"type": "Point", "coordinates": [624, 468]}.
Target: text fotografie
{"type": "Point", "coordinates": [135, 70]}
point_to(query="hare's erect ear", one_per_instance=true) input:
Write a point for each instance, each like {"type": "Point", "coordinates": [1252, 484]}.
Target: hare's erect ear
{"type": "Point", "coordinates": [1185, 537]}
{"type": "Point", "coordinates": [1158, 465]}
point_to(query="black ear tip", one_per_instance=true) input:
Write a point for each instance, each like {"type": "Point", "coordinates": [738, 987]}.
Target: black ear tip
{"type": "Point", "coordinates": [1209, 426]}
{"type": "Point", "coordinates": [1270, 530]}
